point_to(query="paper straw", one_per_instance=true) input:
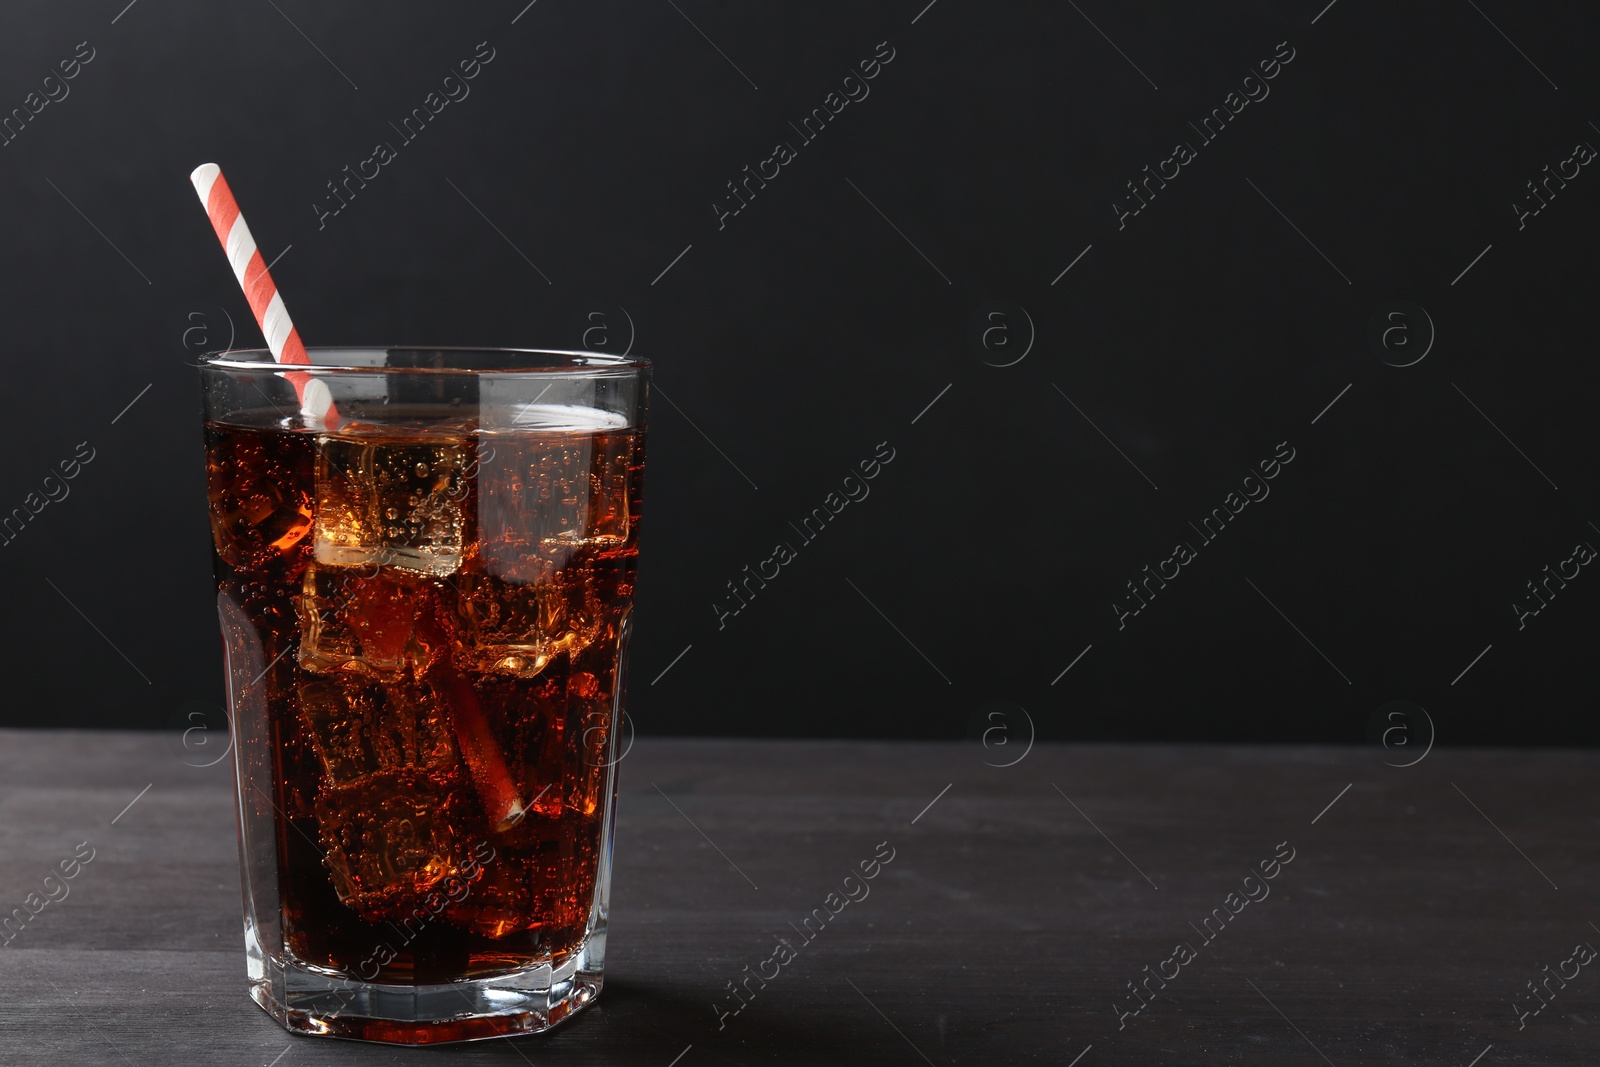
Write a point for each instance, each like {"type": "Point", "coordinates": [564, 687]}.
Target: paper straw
{"type": "Point", "coordinates": [496, 788]}
{"type": "Point", "coordinates": [484, 762]}
{"type": "Point", "coordinates": [316, 403]}
{"type": "Point", "coordinates": [486, 766]}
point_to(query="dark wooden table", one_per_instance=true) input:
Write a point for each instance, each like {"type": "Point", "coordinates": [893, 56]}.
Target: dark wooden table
{"type": "Point", "coordinates": [1006, 928]}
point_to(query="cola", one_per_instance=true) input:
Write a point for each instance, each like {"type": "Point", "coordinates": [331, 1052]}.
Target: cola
{"type": "Point", "coordinates": [440, 609]}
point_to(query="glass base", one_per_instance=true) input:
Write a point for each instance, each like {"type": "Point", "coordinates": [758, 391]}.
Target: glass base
{"type": "Point", "coordinates": [306, 1001]}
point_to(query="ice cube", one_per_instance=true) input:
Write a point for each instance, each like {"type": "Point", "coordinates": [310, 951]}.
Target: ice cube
{"type": "Point", "coordinates": [561, 748]}
{"type": "Point", "coordinates": [502, 901]}
{"type": "Point", "coordinates": [260, 507]}
{"type": "Point", "coordinates": [540, 880]}
{"type": "Point", "coordinates": [537, 741]}
{"type": "Point", "coordinates": [390, 840]}
{"type": "Point", "coordinates": [507, 627]}
{"type": "Point", "coordinates": [391, 499]}
{"type": "Point", "coordinates": [359, 728]}
{"type": "Point", "coordinates": [513, 628]}
{"type": "Point", "coordinates": [498, 793]}
{"type": "Point", "coordinates": [592, 706]}
{"type": "Point", "coordinates": [392, 790]}
{"type": "Point", "coordinates": [359, 620]}
{"type": "Point", "coordinates": [578, 763]}
{"type": "Point", "coordinates": [545, 492]}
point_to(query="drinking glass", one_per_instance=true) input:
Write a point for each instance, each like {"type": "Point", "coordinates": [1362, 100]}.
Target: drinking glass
{"type": "Point", "coordinates": [425, 599]}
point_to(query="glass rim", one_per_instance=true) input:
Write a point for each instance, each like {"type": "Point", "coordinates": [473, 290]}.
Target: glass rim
{"type": "Point", "coordinates": [556, 361]}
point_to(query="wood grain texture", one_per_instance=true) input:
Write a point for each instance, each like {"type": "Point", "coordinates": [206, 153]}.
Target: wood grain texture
{"type": "Point", "coordinates": [1003, 931]}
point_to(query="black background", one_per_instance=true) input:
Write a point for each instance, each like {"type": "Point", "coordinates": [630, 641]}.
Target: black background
{"type": "Point", "coordinates": [809, 330]}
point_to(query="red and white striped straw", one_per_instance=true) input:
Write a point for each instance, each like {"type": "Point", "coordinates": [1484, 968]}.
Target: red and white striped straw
{"type": "Point", "coordinates": [316, 403]}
